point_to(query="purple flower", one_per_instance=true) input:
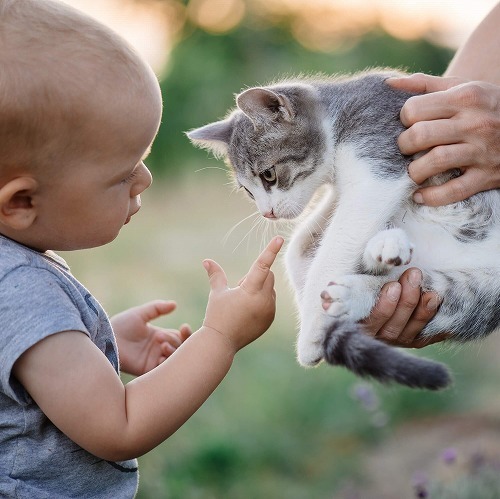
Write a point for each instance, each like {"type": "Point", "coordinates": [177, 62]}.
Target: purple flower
{"type": "Point", "coordinates": [422, 493]}
{"type": "Point", "coordinates": [366, 396]}
{"type": "Point", "coordinates": [449, 455]}
{"type": "Point", "coordinates": [420, 482]}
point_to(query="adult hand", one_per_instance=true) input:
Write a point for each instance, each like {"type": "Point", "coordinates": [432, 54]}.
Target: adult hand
{"type": "Point", "coordinates": [402, 311]}
{"type": "Point", "coordinates": [458, 123]}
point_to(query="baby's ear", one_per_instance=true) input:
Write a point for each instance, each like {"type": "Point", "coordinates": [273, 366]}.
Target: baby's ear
{"type": "Point", "coordinates": [262, 105]}
{"type": "Point", "coordinates": [16, 203]}
{"type": "Point", "coordinates": [214, 137]}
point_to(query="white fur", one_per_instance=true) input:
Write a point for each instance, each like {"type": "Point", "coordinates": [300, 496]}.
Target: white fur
{"type": "Point", "coordinates": [387, 249]}
{"type": "Point", "coordinates": [361, 210]}
{"type": "Point", "coordinates": [361, 204]}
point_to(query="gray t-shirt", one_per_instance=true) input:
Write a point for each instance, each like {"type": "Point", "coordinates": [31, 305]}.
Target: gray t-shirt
{"type": "Point", "coordinates": [39, 297]}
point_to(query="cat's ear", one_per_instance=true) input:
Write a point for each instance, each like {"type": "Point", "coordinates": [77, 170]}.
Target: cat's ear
{"type": "Point", "coordinates": [214, 137]}
{"type": "Point", "coordinates": [264, 105]}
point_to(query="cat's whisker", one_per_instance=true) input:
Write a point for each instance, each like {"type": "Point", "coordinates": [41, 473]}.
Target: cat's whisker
{"type": "Point", "coordinates": [267, 233]}
{"type": "Point", "coordinates": [255, 224]}
{"type": "Point", "coordinates": [232, 182]}
{"type": "Point", "coordinates": [211, 168]}
{"type": "Point", "coordinates": [234, 227]}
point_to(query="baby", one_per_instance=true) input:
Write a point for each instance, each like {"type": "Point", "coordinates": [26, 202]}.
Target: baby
{"type": "Point", "coordinates": [78, 113]}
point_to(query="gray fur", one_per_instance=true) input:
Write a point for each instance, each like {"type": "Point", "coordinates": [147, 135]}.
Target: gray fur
{"type": "Point", "coordinates": [285, 141]}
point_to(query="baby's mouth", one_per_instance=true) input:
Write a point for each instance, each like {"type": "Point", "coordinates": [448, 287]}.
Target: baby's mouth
{"type": "Point", "coordinates": [131, 215]}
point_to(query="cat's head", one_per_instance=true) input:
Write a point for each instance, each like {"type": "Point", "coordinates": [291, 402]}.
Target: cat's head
{"type": "Point", "coordinates": [276, 143]}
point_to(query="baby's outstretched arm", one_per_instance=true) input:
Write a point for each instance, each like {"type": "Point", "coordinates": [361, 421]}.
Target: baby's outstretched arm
{"type": "Point", "coordinates": [79, 391]}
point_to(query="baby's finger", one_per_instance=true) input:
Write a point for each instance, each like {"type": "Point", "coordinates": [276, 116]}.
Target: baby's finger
{"type": "Point", "coordinates": [259, 271]}
{"type": "Point", "coordinates": [167, 349]}
{"type": "Point", "coordinates": [154, 309]}
{"type": "Point", "coordinates": [217, 276]}
{"type": "Point", "coordinates": [185, 332]}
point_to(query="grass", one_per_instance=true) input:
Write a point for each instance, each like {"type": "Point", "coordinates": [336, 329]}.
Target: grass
{"type": "Point", "coordinates": [272, 429]}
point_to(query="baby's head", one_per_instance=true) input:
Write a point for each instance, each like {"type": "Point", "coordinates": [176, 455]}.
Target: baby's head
{"type": "Point", "coordinates": [78, 111]}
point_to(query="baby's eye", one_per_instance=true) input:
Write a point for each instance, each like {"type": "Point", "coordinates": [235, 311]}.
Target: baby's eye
{"type": "Point", "coordinates": [269, 176]}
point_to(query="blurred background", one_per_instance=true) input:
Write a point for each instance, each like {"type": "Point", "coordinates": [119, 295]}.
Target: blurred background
{"type": "Point", "coordinates": [274, 430]}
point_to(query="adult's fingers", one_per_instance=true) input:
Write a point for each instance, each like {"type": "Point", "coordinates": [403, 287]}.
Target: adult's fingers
{"type": "Point", "coordinates": [427, 107]}
{"type": "Point", "coordinates": [260, 270]}
{"type": "Point", "coordinates": [441, 159]}
{"type": "Point", "coordinates": [423, 84]}
{"type": "Point", "coordinates": [423, 313]}
{"type": "Point", "coordinates": [410, 282]}
{"type": "Point", "coordinates": [384, 308]}
{"type": "Point", "coordinates": [421, 342]}
{"type": "Point", "coordinates": [456, 189]}
{"type": "Point", "coordinates": [424, 135]}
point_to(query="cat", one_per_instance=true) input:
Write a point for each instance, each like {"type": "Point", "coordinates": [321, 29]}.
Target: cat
{"type": "Point", "coordinates": [287, 140]}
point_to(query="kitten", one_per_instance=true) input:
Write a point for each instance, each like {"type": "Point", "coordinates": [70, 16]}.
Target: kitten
{"type": "Point", "coordinates": [284, 142]}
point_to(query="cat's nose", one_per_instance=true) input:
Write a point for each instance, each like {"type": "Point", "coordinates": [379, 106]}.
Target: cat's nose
{"type": "Point", "coordinates": [270, 214]}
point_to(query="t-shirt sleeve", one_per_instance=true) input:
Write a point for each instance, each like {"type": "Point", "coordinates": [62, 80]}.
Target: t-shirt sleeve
{"type": "Point", "coordinates": [33, 305]}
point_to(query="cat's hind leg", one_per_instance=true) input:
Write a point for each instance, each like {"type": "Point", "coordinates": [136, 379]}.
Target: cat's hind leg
{"type": "Point", "coordinates": [346, 300]}
{"type": "Point", "coordinates": [351, 297]}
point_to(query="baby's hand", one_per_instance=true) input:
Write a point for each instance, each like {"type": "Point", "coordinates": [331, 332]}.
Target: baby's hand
{"type": "Point", "coordinates": [141, 345]}
{"type": "Point", "coordinates": [245, 312]}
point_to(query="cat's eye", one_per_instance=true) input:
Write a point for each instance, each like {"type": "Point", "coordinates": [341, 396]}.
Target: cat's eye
{"type": "Point", "coordinates": [269, 176]}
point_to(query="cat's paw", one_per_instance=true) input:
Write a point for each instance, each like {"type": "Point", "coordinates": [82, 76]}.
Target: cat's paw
{"type": "Point", "coordinates": [310, 354]}
{"type": "Point", "coordinates": [335, 299]}
{"type": "Point", "coordinates": [387, 249]}
{"type": "Point", "coordinates": [348, 298]}
{"type": "Point", "coordinates": [310, 341]}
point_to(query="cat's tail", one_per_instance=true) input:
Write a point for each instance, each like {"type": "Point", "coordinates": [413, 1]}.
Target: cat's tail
{"type": "Point", "coordinates": [348, 346]}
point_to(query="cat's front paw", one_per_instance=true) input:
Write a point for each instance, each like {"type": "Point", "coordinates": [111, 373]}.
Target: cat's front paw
{"type": "Point", "coordinates": [310, 354]}
{"type": "Point", "coordinates": [387, 249]}
{"type": "Point", "coordinates": [310, 350]}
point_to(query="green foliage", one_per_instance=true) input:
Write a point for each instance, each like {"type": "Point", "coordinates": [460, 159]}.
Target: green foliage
{"type": "Point", "coordinates": [274, 429]}
{"type": "Point", "coordinates": [206, 71]}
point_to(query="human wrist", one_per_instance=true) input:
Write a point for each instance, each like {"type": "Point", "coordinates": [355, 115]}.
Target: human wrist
{"type": "Point", "coordinates": [220, 337]}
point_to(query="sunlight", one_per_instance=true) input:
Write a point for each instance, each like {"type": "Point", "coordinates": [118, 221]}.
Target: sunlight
{"type": "Point", "coordinates": [154, 26]}
{"type": "Point", "coordinates": [145, 27]}
{"type": "Point", "coordinates": [217, 16]}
